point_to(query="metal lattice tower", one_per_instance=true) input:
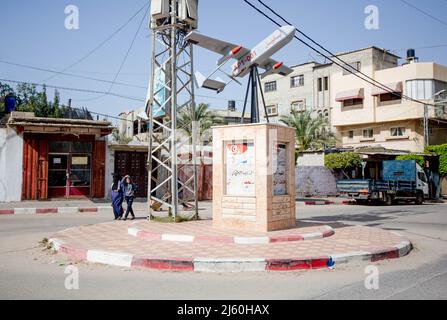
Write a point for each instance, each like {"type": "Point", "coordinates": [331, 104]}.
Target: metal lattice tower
{"type": "Point", "coordinates": [172, 155]}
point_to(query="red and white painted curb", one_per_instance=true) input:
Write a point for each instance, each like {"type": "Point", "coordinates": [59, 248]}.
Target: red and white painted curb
{"type": "Point", "coordinates": [324, 203]}
{"type": "Point", "coordinates": [153, 236]}
{"type": "Point", "coordinates": [61, 210]}
{"type": "Point", "coordinates": [226, 265]}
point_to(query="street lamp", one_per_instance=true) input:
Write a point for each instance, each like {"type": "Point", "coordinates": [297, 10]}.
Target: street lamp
{"type": "Point", "coordinates": [439, 93]}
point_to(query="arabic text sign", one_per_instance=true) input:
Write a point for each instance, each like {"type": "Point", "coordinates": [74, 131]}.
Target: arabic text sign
{"type": "Point", "coordinates": [240, 168]}
{"type": "Point", "coordinates": [280, 170]}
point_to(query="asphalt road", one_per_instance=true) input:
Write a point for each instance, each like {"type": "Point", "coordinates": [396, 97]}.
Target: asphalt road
{"type": "Point", "coordinates": [28, 272]}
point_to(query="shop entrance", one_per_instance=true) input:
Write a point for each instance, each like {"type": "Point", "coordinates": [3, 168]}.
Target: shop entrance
{"type": "Point", "coordinates": [69, 169]}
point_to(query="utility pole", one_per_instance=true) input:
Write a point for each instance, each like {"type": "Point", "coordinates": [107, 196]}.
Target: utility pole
{"type": "Point", "coordinates": [172, 179]}
{"type": "Point", "coordinates": [426, 127]}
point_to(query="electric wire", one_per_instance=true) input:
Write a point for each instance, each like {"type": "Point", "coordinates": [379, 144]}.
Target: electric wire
{"type": "Point", "coordinates": [101, 44]}
{"type": "Point", "coordinates": [351, 70]}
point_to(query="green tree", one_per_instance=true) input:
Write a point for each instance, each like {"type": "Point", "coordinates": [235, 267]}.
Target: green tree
{"type": "Point", "coordinates": [204, 118]}
{"type": "Point", "coordinates": [311, 132]}
{"type": "Point", "coordinates": [419, 159]}
{"type": "Point", "coordinates": [29, 99]}
{"type": "Point", "coordinates": [342, 162]}
{"type": "Point", "coordinates": [441, 151]}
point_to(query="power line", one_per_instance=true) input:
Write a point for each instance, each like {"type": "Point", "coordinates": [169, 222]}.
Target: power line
{"type": "Point", "coordinates": [112, 83]}
{"type": "Point", "coordinates": [424, 47]}
{"type": "Point", "coordinates": [351, 70]}
{"type": "Point", "coordinates": [69, 74]}
{"type": "Point", "coordinates": [129, 49]}
{"type": "Point", "coordinates": [102, 43]}
{"type": "Point", "coordinates": [424, 12]}
{"type": "Point", "coordinates": [74, 89]}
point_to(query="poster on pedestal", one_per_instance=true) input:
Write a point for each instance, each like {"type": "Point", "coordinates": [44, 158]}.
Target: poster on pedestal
{"type": "Point", "coordinates": [240, 169]}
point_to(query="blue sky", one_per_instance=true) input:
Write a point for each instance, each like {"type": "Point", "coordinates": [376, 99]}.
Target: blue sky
{"type": "Point", "coordinates": [33, 33]}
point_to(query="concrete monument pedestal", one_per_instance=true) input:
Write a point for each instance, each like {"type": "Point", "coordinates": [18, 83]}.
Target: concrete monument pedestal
{"type": "Point", "coordinates": [254, 177]}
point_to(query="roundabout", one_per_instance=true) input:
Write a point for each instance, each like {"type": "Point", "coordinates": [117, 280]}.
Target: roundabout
{"type": "Point", "coordinates": [151, 245]}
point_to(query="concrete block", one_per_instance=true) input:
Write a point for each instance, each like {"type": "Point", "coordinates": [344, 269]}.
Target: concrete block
{"type": "Point", "coordinates": [25, 211]}
{"type": "Point", "coordinates": [68, 210]}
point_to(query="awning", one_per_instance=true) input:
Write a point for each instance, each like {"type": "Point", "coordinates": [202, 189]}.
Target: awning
{"type": "Point", "coordinates": [395, 87]}
{"type": "Point", "coordinates": [351, 94]}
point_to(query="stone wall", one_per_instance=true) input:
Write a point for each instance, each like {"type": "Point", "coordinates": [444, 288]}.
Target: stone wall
{"type": "Point", "coordinates": [315, 181]}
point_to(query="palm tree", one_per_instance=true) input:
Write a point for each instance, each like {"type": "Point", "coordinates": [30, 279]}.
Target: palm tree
{"type": "Point", "coordinates": [311, 132]}
{"type": "Point", "coordinates": [205, 119]}
{"type": "Point", "coordinates": [120, 138]}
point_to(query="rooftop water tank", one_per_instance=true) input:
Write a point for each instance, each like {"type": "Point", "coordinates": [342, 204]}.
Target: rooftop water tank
{"type": "Point", "coordinates": [232, 105]}
{"type": "Point", "coordinates": [10, 103]}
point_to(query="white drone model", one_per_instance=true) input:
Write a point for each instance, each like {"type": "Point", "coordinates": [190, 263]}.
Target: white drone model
{"type": "Point", "coordinates": [259, 56]}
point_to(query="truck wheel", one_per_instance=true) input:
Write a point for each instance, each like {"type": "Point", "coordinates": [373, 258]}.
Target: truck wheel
{"type": "Point", "coordinates": [389, 200]}
{"type": "Point", "coordinates": [419, 200]}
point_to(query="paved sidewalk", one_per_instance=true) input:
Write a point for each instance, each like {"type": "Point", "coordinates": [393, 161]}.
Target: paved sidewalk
{"type": "Point", "coordinates": [81, 206]}
{"type": "Point", "coordinates": [202, 231]}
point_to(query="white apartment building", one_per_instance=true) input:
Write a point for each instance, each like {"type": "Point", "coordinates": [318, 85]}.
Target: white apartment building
{"type": "Point", "coordinates": [307, 88]}
{"type": "Point", "coordinates": [360, 113]}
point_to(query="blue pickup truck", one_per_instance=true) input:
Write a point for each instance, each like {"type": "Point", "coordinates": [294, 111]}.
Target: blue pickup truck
{"type": "Point", "coordinates": [400, 181]}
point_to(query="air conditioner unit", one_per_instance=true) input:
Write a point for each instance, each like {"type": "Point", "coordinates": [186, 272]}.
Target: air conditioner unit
{"type": "Point", "coordinates": [189, 12]}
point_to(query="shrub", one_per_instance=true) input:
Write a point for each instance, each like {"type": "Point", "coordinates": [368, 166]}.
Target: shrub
{"type": "Point", "coordinates": [419, 159]}
{"type": "Point", "coordinates": [343, 161]}
{"type": "Point", "coordinates": [441, 151]}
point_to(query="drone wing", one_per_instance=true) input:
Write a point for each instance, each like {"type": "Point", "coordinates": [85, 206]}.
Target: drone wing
{"type": "Point", "coordinates": [226, 49]}
{"type": "Point", "coordinates": [274, 67]}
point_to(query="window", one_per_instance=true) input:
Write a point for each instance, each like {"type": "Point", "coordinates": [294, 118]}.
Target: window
{"type": "Point", "coordinates": [272, 111]}
{"type": "Point", "coordinates": [326, 113]}
{"type": "Point", "coordinates": [297, 81]}
{"type": "Point", "coordinates": [351, 134]}
{"type": "Point", "coordinates": [143, 127]}
{"type": "Point", "coordinates": [352, 102]}
{"type": "Point", "coordinates": [422, 177]}
{"type": "Point", "coordinates": [351, 68]}
{"type": "Point", "coordinates": [270, 86]}
{"type": "Point", "coordinates": [368, 133]}
{"type": "Point", "coordinates": [298, 106]}
{"type": "Point", "coordinates": [398, 132]}
{"type": "Point", "coordinates": [390, 97]}
{"type": "Point", "coordinates": [420, 89]}
{"type": "Point", "coordinates": [323, 84]}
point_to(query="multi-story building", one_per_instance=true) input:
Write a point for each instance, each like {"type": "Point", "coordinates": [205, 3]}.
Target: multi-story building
{"type": "Point", "coordinates": [361, 113]}
{"type": "Point", "coordinates": [298, 91]}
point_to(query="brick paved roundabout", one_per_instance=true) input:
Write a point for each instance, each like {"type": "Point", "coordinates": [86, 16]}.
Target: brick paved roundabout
{"type": "Point", "coordinates": [195, 246]}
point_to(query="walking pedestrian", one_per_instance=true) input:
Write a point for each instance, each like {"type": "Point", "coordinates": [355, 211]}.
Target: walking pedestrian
{"type": "Point", "coordinates": [117, 197]}
{"type": "Point", "coordinates": [129, 196]}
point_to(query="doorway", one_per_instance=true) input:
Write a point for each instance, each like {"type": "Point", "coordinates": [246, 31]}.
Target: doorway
{"type": "Point", "coordinates": [135, 165]}
{"type": "Point", "coordinates": [69, 175]}
{"type": "Point", "coordinates": [69, 169]}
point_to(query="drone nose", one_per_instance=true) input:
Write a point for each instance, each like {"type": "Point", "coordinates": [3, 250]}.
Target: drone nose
{"type": "Point", "coordinates": [288, 29]}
